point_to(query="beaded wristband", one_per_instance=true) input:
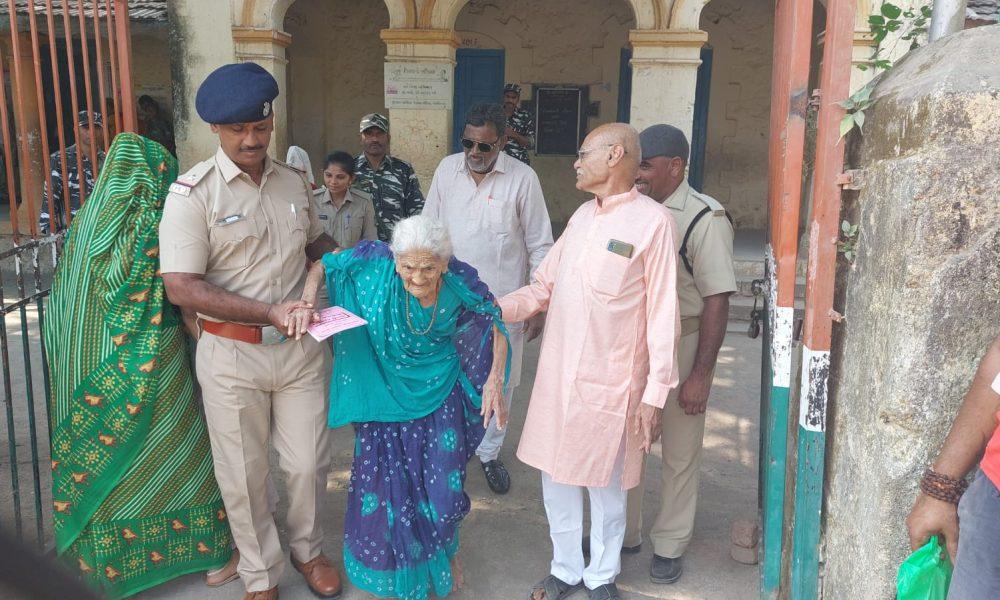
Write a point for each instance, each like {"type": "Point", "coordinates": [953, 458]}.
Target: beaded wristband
{"type": "Point", "coordinates": [942, 487]}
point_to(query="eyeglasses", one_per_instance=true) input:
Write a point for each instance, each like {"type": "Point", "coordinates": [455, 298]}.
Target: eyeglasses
{"type": "Point", "coordinates": [581, 152]}
{"type": "Point", "coordinates": [481, 146]}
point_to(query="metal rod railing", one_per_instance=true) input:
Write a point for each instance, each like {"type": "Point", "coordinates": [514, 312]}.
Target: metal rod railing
{"type": "Point", "coordinates": [789, 102]}
{"type": "Point", "coordinates": [129, 121]}
{"type": "Point", "coordinates": [43, 126]}
{"type": "Point", "coordinates": [26, 192]}
{"type": "Point", "coordinates": [102, 96]}
{"type": "Point", "coordinates": [85, 49]}
{"type": "Point", "coordinates": [112, 51]}
{"type": "Point", "coordinates": [57, 88]}
{"type": "Point", "coordinates": [835, 86]}
{"type": "Point", "coordinates": [74, 97]}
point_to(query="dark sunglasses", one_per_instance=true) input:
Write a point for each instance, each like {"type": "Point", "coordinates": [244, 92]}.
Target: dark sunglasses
{"type": "Point", "coordinates": [481, 146]}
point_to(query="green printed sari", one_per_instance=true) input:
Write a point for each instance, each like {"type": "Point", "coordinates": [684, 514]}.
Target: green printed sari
{"type": "Point", "coordinates": [134, 493]}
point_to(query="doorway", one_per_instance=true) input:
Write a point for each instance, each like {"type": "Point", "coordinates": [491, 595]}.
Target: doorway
{"type": "Point", "coordinates": [478, 78]}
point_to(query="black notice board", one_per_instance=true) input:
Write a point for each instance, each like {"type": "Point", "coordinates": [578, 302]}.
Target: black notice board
{"type": "Point", "coordinates": [559, 119]}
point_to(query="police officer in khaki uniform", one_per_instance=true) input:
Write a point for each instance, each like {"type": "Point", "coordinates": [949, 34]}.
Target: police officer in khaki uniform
{"type": "Point", "coordinates": [705, 279]}
{"type": "Point", "coordinates": [234, 238]}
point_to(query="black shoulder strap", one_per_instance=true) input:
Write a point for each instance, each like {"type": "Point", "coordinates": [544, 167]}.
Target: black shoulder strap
{"type": "Point", "coordinates": [687, 234]}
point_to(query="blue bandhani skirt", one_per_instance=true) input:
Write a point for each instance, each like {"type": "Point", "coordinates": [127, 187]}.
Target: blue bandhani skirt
{"type": "Point", "coordinates": [407, 498]}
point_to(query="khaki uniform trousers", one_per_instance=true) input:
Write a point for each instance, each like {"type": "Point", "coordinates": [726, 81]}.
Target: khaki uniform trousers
{"type": "Point", "coordinates": [252, 394]}
{"type": "Point", "coordinates": [681, 443]}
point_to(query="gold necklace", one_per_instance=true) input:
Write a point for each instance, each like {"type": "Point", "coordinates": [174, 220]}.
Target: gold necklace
{"type": "Point", "coordinates": [430, 325]}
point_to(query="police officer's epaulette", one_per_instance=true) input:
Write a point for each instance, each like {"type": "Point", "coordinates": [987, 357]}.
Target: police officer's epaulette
{"type": "Point", "coordinates": [295, 170]}
{"type": "Point", "coordinates": [319, 191]}
{"type": "Point", "coordinates": [360, 193]}
{"type": "Point", "coordinates": [186, 182]}
{"type": "Point", "coordinates": [717, 209]}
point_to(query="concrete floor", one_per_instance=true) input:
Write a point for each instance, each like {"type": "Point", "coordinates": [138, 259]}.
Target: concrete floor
{"type": "Point", "coordinates": [505, 539]}
{"type": "Point", "coordinates": [505, 543]}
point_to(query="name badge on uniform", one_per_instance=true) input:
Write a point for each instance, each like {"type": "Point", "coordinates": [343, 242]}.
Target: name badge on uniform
{"type": "Point", "coordinates": [180, 188]}
{"type": "Point", "coordinates": [229, 220]}
{"type": "Point", "coordinates": [324, 217]}
{"type": "Point", "coordinates": [620, 248]}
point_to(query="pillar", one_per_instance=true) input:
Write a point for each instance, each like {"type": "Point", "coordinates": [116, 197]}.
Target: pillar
{"type": "Point", "coordinates": [664, 72]}
{"type": "Point", "coordinates": [266, 47]}
{"type": "Point", "coordinates": [201, 40]}
{"type": "Point", "coordinates": [421, 136]}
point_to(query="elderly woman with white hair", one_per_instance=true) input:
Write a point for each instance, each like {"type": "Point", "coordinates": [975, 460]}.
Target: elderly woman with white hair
{"type": "Point", "coordinates": [419, 382]}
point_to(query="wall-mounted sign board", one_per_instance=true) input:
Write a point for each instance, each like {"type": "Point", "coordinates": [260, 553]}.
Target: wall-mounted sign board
{"type": "Point", "coordinates": [421, 85]}
{"type": "Point", "coordinates": [560, 121]}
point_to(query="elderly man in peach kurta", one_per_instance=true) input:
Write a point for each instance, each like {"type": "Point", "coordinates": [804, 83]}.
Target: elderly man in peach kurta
{"type": "Point", "coordinates": [608, 360]}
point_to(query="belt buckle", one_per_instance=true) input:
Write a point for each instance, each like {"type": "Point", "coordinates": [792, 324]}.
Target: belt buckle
{"type": "Point", "coordinates": [269, 336]}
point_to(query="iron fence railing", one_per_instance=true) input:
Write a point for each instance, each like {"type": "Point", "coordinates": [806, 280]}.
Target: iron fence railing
{"type": "Point", "coordinates": [58, 58]}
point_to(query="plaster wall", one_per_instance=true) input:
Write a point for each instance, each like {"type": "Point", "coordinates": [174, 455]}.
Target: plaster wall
{"type": "Point", "coordinates": [335, 74]}
{"type": "Point", "coordinates": [201, 40]}
{"type": "Point", "coordinates": [741, 33]}
{"type": "Point", "coordinates": [151, 64]}
{"type": "Point", "coordinates": [575, 42]}
{"type": "Point", "coordinates": [922, 299]}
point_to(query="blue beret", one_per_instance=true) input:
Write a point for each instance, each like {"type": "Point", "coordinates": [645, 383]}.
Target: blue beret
{"type": "Point", "coordinates": [236, 93]}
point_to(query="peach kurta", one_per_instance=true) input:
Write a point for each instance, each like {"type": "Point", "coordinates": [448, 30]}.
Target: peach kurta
{"type": "Point", "coordinates": [610, 339]}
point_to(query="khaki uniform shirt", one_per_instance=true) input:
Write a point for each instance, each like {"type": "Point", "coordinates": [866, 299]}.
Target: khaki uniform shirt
{"type": "Point", "coordinates": [709, 249]}
{"type": "Point", "coordinates": [246, 239]}
{"type": "Point", "coordinates": [352, 222]}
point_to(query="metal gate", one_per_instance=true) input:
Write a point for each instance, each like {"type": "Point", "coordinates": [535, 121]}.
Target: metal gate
{"type": "Point", "coordinates": [61, 59]}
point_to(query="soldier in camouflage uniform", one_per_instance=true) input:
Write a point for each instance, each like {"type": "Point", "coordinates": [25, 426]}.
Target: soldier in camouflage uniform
{"type": "Point", "coordinates": [520, 125]}
{"type": "Point", "coordinates": [390, 181]}
{"type": "Point", "coordinates": [72, 186]}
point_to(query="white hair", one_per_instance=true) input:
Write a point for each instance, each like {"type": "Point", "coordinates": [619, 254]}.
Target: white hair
{"type": "Point", "coordinates": [421, 233]}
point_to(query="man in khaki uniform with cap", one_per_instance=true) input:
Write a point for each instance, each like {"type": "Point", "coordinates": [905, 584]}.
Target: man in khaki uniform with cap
{"type": "Point", "coordinates": [705, 279]}
{"type": "Point", "coordinates": [235, 235]}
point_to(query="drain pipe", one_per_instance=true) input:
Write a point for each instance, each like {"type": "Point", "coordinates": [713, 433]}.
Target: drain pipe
{"type": "Point", "coordinates": [948, 16]}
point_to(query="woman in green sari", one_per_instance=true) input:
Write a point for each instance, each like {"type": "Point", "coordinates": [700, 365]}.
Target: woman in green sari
{"type": "Point", "coordinates": [134, 495]}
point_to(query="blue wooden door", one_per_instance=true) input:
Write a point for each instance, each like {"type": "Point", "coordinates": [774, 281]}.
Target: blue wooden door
{"type": "Point", "coordinates": [478, 78]}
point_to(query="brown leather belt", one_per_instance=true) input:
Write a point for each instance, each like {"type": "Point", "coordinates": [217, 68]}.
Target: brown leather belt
{"type": "Point", "coordinates": [251, 334]}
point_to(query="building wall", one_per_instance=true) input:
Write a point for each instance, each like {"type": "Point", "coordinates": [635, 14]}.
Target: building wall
{"type": "Point", "coordinates": [741, 35]}
{"type": "Point", "coordinates": [575, 42]}
{"type": "Point", "coordinates": [201, 40]}
{"type": "Point", "coordinates": [151, 64]}
{"type": "Point", "coordinates": [335, 69]}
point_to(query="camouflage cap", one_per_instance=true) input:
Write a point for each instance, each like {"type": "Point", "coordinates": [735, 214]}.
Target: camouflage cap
{"type": "Point", "coordinates": [83, 120]}
{"type": "Point", "coordinates": [512, 87]}
{"type": "Point", "coordinates": [374, 120]}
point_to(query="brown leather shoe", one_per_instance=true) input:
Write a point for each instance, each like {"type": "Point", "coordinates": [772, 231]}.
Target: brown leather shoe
{"type": "Point", "coordinates": [271, 594]}
{"type": "Point", "coordinates": [322, 577]}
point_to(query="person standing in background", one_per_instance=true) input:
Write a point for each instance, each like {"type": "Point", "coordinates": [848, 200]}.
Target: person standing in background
{"type": "Point", "coordinates": [520, 130]}
{"type": "Point", "coordinates": [389, 180]}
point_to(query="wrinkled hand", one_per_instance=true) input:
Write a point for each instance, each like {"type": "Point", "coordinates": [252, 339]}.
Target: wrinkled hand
{"type": "Point", "coordinates": [493, 403]}
{"type": "Point", "coordinates": [535, 326]}
{"type": "Point", "coordinates": [931, 516]}
{"type": "Point", "coordinates": [292, 318]}
{"type": "Point", "coordinates": [647, 423]}
{"type": "Point", "coordinates": [693, 395]}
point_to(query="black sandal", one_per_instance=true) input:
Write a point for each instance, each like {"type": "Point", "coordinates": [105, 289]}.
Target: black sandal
{"type": "Point", "coordinates": [553, 588]}
{"type": "Point", "coordinates": [608, 591]}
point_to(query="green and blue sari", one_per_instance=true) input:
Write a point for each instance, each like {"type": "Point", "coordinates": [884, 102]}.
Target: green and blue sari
{"type": "Point", "coordinates": [411, 383]}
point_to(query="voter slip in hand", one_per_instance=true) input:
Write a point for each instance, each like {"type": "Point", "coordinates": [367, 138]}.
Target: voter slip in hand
{"type": "Point", "coordinates": [334, 320]}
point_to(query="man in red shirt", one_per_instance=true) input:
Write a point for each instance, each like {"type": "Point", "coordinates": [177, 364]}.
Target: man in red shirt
{"type": "Point", "coordinates": [971, 528]}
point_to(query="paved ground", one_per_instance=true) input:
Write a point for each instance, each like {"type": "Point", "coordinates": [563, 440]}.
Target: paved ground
{"type": "Point", "coordinates": [505, 539]}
